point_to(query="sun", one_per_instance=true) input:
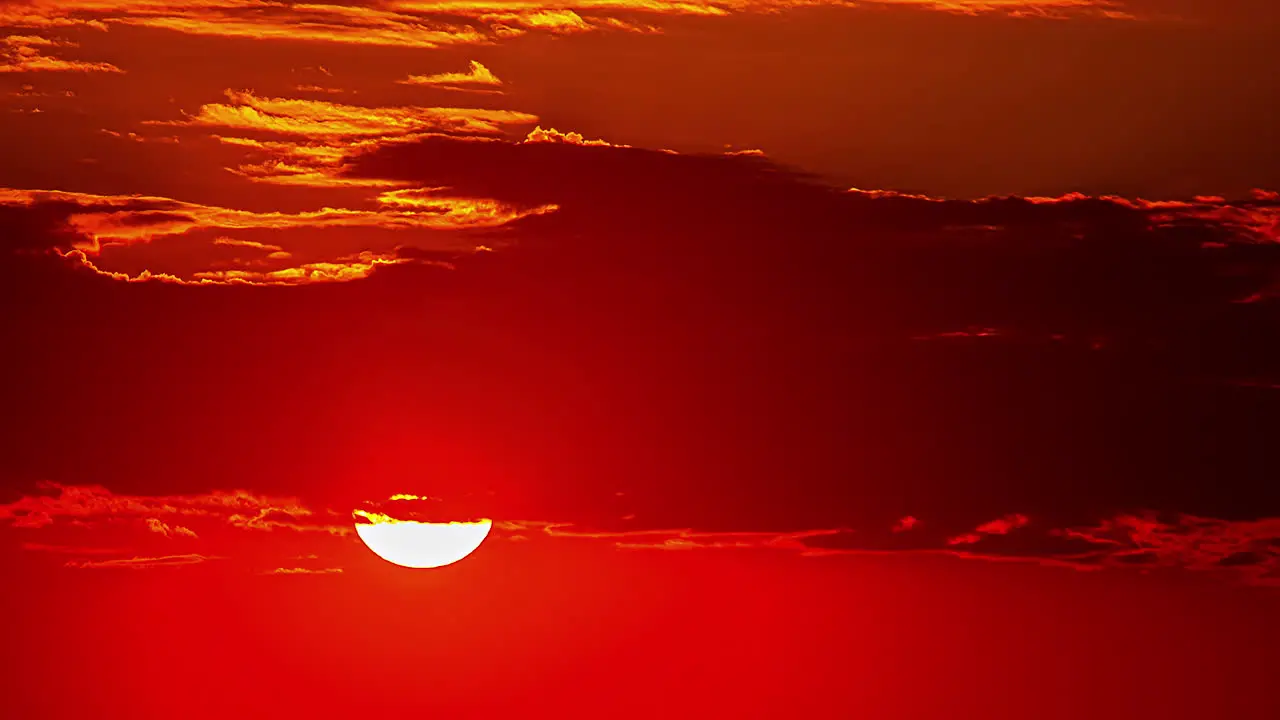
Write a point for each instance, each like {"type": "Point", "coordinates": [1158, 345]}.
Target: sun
{"type": "Point", "coordinates": [415, 544]}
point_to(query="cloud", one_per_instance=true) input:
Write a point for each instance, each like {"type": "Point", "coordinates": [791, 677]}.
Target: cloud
{"type": "Point", "coordinates": [1251, 547]}
{"type": "Point", "coordinates": [232, 242]}
{"type": "Point", "coordinates": [98, 225]}
{"type": "Point", "coordinates": [319, 89]}
{"type": "Point", "coordinates": [727, 340]}
{"type": "Point", "coordinates": [269, 519]}
{"type": "Point", "coordinates": [25, 53]}
{"type": "Point", "coordinates": [70, 549]}
{"type": "Point", "coordinates": [312, 163]}
{"type": "Point", "coordinates": [157, 525]}
{"type": "Point", "coordinates": [478, 74]}
{"type": "Point", "coordinates": [999, 526]}
{"type": "Point", "coordinates": [317, 118]}
{"type": "Point", "coordinates": [1247, 551]}
{"type": "Point", "coordinates": [135, 137]}
{"type": "Point", "coordinates": [551, 135]}
{"type": "Point", "coordinates": [670, 539]}
{"type": "Point", "coordinates": [305, 571]}
{"type": "Point", "coordinates": [556, 21]}
{"type": "Point", "coordinates": [315, 139]}
{"type": "Point", "coordinates": [288, 22]}
{"type": "Point", "coordinates": [1047, 9]}
{"type": "Point", "coordinates": [427, 25]}
{"type": "Point", "coordinates": [142, 563]}
{"type": "Point", "coordinates": [93, 504]}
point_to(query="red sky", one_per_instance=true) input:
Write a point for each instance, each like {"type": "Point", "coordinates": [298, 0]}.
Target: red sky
{"type": "Point", "coordinates": [902, 358]}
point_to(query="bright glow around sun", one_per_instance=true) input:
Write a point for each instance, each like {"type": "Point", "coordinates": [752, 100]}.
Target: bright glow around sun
{"type": "Point", "coordinates": [415, 544]}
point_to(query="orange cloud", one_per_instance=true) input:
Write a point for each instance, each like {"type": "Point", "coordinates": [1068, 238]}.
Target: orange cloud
{"type": "Point", "coordinates": [106, 222]}
{"type": "Point", "coordinates": [296, 519]}
{"type": "Point", "coordinates": [558, 21]}
{"type": "Point", "coordinates": [316, 118]}
{"type": "Point", "coordinates": [24, 53]}
{"type": "Point", "coordinates": [311, 163]}
{"type": "Point", "coordinates": [91, 504]}
{"type": "Point", "coordinates": [313, 22]}
{"type": "Point", "coordinates": [319, 89]}
{"type": "Point", "coordinates": [401, 210]}
{"type": "Point", "coordinates": [552, 135]}
{"type": "Point", "coordinates": [346, 269]}
{"type": "Point", "coordinates": [142, 563]}
{"type": "Point", "coordinates": [304, 571]}
{"type": "Point", "coordinates": [232, 242]}
{"type": "Point", "coordinates": [1054, 9]}
{"type": "Point", "coordinates": [478, 74]}
{"type": "Point", "coordinates": [418, 24]}
{"type": "Point", "coordinates": [157, 525]}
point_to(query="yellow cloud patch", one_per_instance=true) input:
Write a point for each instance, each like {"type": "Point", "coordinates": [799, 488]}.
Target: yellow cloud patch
{"type": "Point", "coordinates": [478, 74]}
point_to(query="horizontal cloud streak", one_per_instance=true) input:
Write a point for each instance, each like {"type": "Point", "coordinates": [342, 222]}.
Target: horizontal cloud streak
{"type": "Point", "coordinates": [476, 75]}
{"type": "Point", "coordinates": [317, 118]}
{"type": "Point", "coordinates": [102, 224]}
{"type": "Point", "coordinates": [456, 22]}
{"type": "Point", "coordinates": [25, 54]}
{"type": "Point", "coordinates": [142, 563]}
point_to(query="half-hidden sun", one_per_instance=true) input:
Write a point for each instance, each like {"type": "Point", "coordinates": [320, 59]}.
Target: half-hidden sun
{"type": "Point", "coordinates": [417, 544]}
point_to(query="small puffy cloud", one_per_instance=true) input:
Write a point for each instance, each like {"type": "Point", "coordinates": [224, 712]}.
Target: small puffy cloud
{"type": "Point", "coordinates": [476, 75]}
{"type": "Point", "coordinates": [158, 526]}
{"type": "Point", "coordinates": [552, 135]}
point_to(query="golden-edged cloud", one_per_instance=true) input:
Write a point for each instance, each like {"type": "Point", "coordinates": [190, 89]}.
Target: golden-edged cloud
{"type": "Point", "coordinates": [310, 163]}
{"type": "Point", "coordinates": [401, 210]}
{"type": "Point", "coordinates": [160, 527]}
{"type": "Point", "coordinates": [272, 251]}
{"type": "Point", "coordinates": [418, 24]}
{"type": "Point", "coordinates": [26, 53]}
{"type": "Point", "coordinates": [91, 505]}
{"type": "Point", "coordinates": [316, 118]}
{"type": "Point", "coordinates": [552, 135]}
{"type": "Point", "coordinates": [314, 139]}
{"type": "Point", "coordinates": [357, 267]}
{"type": "Point", "coordinates": [477, 78]}
{"type": "Point", "coordinates": [104, 223]}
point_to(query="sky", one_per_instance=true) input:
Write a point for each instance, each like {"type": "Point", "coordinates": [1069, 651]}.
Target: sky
{"type": "Point", "coordinates": [900, 358]}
